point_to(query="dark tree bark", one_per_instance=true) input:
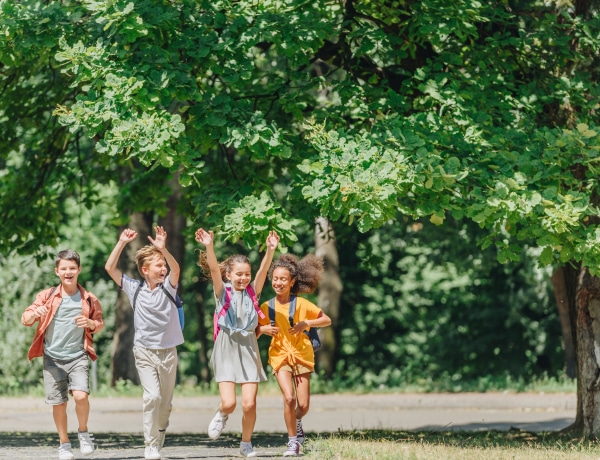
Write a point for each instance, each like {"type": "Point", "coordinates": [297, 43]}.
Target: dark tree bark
{"type": "Point", "coordinates": [123, 362]}
{"type": "Point", "coordinates": [330, 290]}
{"type": "Point", "coordinates": [559, 284]}
{"type": "Point", "coordinates": [205, 375]}
{"type": "Point", "coordinates": [587, 420]}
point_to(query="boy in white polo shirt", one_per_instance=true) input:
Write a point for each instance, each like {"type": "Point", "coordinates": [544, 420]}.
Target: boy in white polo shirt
{"type": "Point", "coordinates": [157, 329]}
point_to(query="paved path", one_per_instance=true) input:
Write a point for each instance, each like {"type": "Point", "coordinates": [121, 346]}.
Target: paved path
{"type": "Point", "coordinates": [27, 430]}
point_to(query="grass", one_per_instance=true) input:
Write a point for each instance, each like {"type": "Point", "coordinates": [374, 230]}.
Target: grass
{"type": "Point", "coordinates": [354, 445]}
{"type": "Point", "coordinates": [486, 445]}
{"type": "Point", "coordinates": [319, 385]}
{"type": "Point", "coordinates": [363, 445]}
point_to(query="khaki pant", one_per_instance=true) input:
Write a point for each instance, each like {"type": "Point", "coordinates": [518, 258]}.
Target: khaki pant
{"type": "Point", "coordinates": [158, 371]}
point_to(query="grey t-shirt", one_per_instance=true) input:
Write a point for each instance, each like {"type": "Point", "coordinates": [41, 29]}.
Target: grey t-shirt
{"type": "Point", "coordinates": [63, 339]}
{"type": "Point", "coordinates": [155, 318]}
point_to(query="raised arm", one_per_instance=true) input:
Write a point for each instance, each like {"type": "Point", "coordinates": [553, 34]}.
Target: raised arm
{"type": "Point", "coordinates": [160, 242]}
{"type": "Point", "coordinates": [126, 237]}
{"type": "Point", "coordinates": [261, 274]}
{"type": "Point", "coordinates": [207, 239]}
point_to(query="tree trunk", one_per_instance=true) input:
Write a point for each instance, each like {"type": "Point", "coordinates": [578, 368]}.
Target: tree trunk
{"type": "Point", "coordinates": [175, 225]}
{"type": "Point", "coordinates": [588, 355]}
{"type": "Point", "coordinates": [123, 362]}
{"type": "Point", "coordinates": [205, 375]}
{"type": "Point", "coordinates": [330, 290]}
{"type": "Point", "coordinates": [561, 295]}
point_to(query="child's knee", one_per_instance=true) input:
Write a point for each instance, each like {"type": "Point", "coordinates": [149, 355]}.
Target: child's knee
{"type": "Point", "coordinates": [80, 396]}
{"type": "Point", "coordinates": [302, 409]}
{"type": "Point", "coordinates": [289, 400]}
{"type": "Point", "coordinates": [248, 407]}
{"type": "Point", "coordinates": [227, 406]}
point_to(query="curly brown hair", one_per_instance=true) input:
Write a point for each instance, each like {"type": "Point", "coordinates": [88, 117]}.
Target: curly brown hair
{"type": "Point", "coordinates": [306, 272]}
{"type": "Point", "coordinates": [224, 266]}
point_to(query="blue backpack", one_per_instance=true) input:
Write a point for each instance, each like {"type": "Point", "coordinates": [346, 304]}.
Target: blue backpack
{"type": "Point", "coordinates": [312, 333]}
{"type": "Point", "coordinates": [176, 301]}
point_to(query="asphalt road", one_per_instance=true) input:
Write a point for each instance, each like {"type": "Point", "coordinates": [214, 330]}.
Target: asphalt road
{"type": "Point", "coordinates": [27, 430]}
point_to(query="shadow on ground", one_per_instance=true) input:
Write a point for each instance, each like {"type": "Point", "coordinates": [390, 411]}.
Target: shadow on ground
{"type": "Point", "coordinates": [126, 441]}
{"type": "Point", "coordinates": [481, 439]}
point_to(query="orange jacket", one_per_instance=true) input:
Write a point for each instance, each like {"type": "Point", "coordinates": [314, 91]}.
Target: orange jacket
{"type": "Point", "coordinates": [90, 308]}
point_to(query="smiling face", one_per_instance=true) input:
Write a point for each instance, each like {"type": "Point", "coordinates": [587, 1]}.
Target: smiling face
{"type": "Point", "coordinates": [68, 271]}
{"type": "Point", "coordinates": [155, 270]}
{"type": "Point", "coordinates": [282, 282]}
{"type": "Point", "coordinates": [240, 275]}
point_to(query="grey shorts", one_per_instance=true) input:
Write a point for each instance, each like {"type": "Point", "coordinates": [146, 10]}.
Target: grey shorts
{"type": "Point", "coordinates": [61, 377]}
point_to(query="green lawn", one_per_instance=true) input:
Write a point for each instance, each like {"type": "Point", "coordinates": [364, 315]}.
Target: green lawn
{"type": "Point", "coordinates": [482, 445]}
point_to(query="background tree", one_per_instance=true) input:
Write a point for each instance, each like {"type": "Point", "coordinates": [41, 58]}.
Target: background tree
{"type": "Point", "coordinates": [276, 113]}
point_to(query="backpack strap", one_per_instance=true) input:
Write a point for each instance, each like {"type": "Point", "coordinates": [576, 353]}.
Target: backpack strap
{"type": "Point", "coordinates": [252, 295]}
{"type": "Point", "coordinates": [51, 292]}
{"type": "Point", "coordinates": [177, 301]}
{"type": "Point", "coordinates": [272, 311]}
{"type": "Point", "coordinates": [227, 304]}
{"type": "Point", "coordinates": [292, 311]}
{"type": "Point", "coordinates": [135, 296]}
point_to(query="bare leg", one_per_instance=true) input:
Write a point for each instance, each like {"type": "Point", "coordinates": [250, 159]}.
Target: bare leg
{"type": "Point", "coordinates": [59, 412]}
{"type": "Point", "coordinates": [286, 384]}
{"type": "Point", "coordinates": [303, 394]}
{"type": "Point", "coordinates": [249, 391]}
{"type": "Point", "coordinates": [82, 409]}
{"type": "Point", "coordinates": [227, 392]}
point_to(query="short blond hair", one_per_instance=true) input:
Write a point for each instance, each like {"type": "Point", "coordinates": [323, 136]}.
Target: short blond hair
{"type": "Point", "coordinates": [145, 255]}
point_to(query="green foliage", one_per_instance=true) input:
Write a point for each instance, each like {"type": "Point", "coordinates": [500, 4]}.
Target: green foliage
{"type": "Point", "coordinates": [422, 305]}
{"type": "Point", "coordinates": [271, 113]}
{"type": "Point", "coordinates": [419, 108]}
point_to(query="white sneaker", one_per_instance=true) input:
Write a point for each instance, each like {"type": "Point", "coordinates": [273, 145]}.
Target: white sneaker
{"type": "Point", "coordinates": [86, 443]}
{"type": "Point", "coordinates": [65, 452]}
{"type": "Point", "coordinates": [216, 425]}
{"type": "Point", "coordinates": [246, 449]}
{"type": "Point", "coordinates": [160, 440]}
{"type": "Point", "coordinates": [151, 452]}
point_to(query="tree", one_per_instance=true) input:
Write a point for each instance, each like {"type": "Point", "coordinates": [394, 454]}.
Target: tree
{"type": "Point", "coordinates": [274, 113]}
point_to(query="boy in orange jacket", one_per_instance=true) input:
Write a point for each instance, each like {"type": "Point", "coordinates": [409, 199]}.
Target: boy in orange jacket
{"type": "Point", "coordinates": [67, 318]}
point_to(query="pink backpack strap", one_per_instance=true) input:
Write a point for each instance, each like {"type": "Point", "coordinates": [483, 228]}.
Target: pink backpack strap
{"type": "Point", "coordinates": [223, 312]}
{"type": "Point", "coordinates": [252, 295]}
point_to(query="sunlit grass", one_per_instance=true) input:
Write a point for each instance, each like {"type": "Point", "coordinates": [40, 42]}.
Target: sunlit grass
{"type": "Point", "coordinates": [514, 445]}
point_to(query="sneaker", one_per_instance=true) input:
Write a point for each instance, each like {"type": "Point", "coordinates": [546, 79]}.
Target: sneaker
{"type": "Point", "coordinates": [293, 449]}
{"type": "Point", "coordinates": [216, 425]}
{"type": "Point", "coordinates": [300, 432]}
{"type": "Point", "coordinates": [151, 452]}
{"type": "Point", "coordinates": [246, 449]}
{"type": "Point", "coordinates": [65, 452]}
{"type": "Point", "coordinates": [160, 440]}
{"type": "Point", "coordinates": [86, 442]}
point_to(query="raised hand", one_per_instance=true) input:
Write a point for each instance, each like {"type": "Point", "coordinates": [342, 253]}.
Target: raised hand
{"type": "Point", "coordinates": [127, 235]}
{"type": "Point", "coordinates": [160, 240]}
{"type": "Point", "coordinates": [272, 240]}
{"type": "Point", "coordinates": [204, 237]}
